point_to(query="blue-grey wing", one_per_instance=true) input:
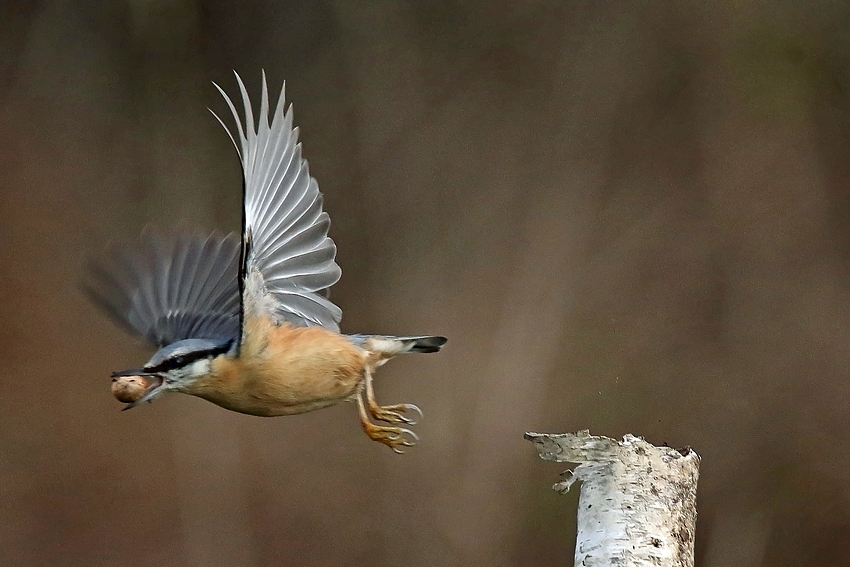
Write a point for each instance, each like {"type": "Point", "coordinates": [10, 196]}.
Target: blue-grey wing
{"type": "Point", "coordinates": [167, 288]}
{"type": "Point", "coordinates": [289, 260]}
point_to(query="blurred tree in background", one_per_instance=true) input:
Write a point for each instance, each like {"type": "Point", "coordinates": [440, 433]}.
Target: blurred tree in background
{"type": "Point", "coordinates": [632, 217]}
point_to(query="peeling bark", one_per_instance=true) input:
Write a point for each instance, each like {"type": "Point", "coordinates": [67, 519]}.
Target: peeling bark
{"type": "Point", "coordinates": [637, 505]}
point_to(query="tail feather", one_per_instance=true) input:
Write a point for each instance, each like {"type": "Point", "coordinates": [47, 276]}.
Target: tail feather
{"type": "Point", "coordinates": [392, 346]}
{"type": "Point", "coordinates": [423, 344]}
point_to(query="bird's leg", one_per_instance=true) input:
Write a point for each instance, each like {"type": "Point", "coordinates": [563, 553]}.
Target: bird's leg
{"type": "Point", "coordinates": [390, 414]}
{"type": "Point", "coordinates": [396, 438]}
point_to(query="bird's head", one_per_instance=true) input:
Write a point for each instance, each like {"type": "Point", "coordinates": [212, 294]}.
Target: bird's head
{"type": "Point", "coordinates": [176, 366]}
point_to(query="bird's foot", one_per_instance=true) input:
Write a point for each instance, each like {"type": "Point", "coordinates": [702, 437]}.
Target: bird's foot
{"type": "Point", "coordinates": [398, 413]}
{"type": "Point", "coordinates": [396, 438]}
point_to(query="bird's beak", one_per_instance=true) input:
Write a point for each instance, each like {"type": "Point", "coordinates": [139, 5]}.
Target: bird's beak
{"type": "Point", "coordinates": [136, 372]}
{"type": "Point", "coordinates": [152, 391]}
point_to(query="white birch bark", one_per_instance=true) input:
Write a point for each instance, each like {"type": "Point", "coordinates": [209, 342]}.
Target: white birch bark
{"type": "Point", "coordinates": [637, 505]}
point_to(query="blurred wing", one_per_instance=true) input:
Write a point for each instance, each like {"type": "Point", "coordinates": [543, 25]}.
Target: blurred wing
{"type": "Point", "coordinates": [288, 258]}
{"type": "Point", "coordinates": [168, 289]}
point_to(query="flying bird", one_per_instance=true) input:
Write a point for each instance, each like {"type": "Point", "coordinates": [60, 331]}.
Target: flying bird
{"type": "Point", "coordinates": [246, 323]}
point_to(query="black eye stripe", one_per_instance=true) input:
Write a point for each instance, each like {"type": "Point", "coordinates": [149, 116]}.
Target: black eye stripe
{"type": "Point", "coordinates": [187, 358]}
{"type": "Point", "coordinates": [182, 360]}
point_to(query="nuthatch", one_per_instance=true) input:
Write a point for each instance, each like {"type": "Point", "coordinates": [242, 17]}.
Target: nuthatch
{"type": "Point", "coordinates": [247, 325]}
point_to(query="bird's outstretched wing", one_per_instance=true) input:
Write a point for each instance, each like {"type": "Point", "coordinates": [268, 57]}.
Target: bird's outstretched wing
{"type": "Point", "coordinates": [169, 288]}
{"type": "Point", "coordinates": [287, 257]}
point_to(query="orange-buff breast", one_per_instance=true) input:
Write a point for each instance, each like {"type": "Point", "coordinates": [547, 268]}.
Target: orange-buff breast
{"type": "Point", "coordinates": [284, 370]}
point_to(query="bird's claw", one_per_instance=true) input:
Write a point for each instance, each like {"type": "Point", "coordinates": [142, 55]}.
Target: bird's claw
{"type": "Point", "coordinates": [396, 438]}
{"type": "Point", "coordinates": [403, 438]}
{"type": "Point", "coordinates": [396, 413]}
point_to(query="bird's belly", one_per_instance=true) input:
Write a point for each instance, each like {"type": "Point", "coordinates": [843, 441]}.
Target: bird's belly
{"type": "Point", "coordinates": [274, 392]}
{"type": "Point", "coordinates": [266, 404]}
{"type": "Point", "coordinates": [285, 378]}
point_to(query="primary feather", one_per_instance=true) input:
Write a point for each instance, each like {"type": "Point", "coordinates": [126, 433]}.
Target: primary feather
{"type": "Point", "coordinates": [288, 257]}
{"type": "Point", "coordinates": [166, 289]}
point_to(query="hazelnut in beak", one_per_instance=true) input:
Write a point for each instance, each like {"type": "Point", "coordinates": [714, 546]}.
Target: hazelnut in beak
{"type": "Point", "coordinates": [129, 389]}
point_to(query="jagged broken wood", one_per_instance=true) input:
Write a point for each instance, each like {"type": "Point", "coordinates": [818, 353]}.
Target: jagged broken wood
{"type": "Point", "coordinates": [637, 504]}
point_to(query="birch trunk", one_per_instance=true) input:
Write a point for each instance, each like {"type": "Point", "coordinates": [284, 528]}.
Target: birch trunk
{"type": "Point", "coordinates": [637, 505]}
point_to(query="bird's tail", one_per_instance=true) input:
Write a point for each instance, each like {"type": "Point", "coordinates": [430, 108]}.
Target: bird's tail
{"type": "Point", "coordinates": [391, 346]}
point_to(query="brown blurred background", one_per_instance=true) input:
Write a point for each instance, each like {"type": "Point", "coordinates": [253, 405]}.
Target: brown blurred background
{"type": "Point", "coordinates": [632, 217]}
